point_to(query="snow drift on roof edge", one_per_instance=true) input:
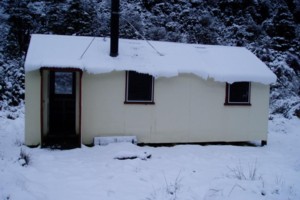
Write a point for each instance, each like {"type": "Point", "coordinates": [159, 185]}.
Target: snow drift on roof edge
{"type": "Point", "coordinates": [221, 63]}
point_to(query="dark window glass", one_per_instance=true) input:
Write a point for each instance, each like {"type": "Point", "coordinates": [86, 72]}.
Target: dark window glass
{"type": "Point", "coordinates": [239, 92]}
{"type": "Point", "coordinates": [63, 82]}
{"type": "Point", "coordinates": [139, 87]}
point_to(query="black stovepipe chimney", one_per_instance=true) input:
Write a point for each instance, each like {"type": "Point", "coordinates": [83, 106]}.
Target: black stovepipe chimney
{"type": "Point", "coordinates": [114, 28]}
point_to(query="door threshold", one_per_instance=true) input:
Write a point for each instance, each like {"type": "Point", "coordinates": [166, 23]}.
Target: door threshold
{"type": "Point", "coordinates": [61, 142]}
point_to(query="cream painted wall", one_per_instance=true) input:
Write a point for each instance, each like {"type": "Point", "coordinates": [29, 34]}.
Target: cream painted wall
{"type": "Point", "coordinates": [187, 109]}
{"type": "Point", "coordinates": [32, 108]}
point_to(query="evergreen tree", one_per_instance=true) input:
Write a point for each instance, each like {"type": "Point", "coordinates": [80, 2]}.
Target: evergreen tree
{"type": "Point", "coordinates": [282, 29]}
{"type": "Point", "coordinates": [20, 21]}
{"type": "Point", "coordinates": [283, 24]}
{"type": "Point", "coordinates": [79, 19]}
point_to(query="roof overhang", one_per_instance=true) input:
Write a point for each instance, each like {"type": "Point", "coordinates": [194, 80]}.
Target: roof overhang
{"type": "Point", "coordinates": [168, 59]}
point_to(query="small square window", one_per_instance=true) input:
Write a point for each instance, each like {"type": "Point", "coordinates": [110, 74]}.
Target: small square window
{"type": "Point", "coordinates": [139, 88]}
{"type": "Point", "coordinates": [238, 93]}
{"type": "Point", "coordinates": [63, 82]}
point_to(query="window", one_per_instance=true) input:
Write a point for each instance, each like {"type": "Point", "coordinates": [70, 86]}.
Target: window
{"type": "Point", "coordinates": [63, 82]}
{"type": "Point", "coordinates": [139, 88]}
{"type": "Point", "coordinates": [238, 93]}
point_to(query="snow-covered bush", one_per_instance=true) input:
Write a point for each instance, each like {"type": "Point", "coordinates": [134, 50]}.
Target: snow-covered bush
{"type": "Point", "coordinates": [238, 172]}
{"type": "Point", "coordinates": [169, 191]}
{"type": "Point", "coordinates": [24, 158]}
{"type": "Point", "coordinates": [245, 182]}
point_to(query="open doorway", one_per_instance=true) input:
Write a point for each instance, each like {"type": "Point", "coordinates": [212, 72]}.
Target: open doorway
{"type": "Point", "coordinates": [61, 91]}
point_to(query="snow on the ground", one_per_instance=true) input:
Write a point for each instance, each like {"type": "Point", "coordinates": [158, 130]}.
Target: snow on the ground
{"type": "Point", "coordinates": [183, 172]}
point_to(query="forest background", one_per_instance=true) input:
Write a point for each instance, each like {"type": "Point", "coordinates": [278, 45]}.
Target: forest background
{"type": "Point", "coordinates": [269, 28]}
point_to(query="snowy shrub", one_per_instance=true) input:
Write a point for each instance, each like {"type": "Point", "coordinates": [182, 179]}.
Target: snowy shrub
{"type": "Point", "coordinates": [170, 191]}
{"type": "Point", "coordinates": [24, 158]}
{"type": "Point", "coordinates": [249, 185]}
{"type": "Point", "coordinates": [294, 62]}
{"type": "Point", "coordinates": [279, 188]}
{"type": "Point", "coordinates": [158, 33]}
{"type": "Point", "coordinates": [230, 189]}
{"type": "Point", "coordinates": [173, 188]}
{"type": "Point", "coordinates": [18, 142]}
{"type": "Point", "coordinates": [238, 172]}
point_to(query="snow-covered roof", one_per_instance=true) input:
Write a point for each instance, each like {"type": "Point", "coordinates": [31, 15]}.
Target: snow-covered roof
{"type": "Point", "coordinates": [222, 63]}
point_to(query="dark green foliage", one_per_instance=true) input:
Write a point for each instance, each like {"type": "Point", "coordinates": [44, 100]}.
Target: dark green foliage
{"type": "Point", "coordinates": [79, 19]}
{"type": "Point", "coordinates": [11, 84]}
{"type": "Point", "coordinates": [282, 25]}
{"type": "Point", "coordinates": [20, 22]}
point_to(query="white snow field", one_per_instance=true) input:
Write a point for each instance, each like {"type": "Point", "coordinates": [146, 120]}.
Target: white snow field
{"type": "Point", "coordinates": [183, 172]}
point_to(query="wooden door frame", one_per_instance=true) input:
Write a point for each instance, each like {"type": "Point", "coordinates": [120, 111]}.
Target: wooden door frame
{"type": "Point", "coordinates": [78, 87]}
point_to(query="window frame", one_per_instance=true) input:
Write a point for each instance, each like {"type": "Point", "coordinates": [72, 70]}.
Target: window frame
{"type": "Point", "coordinates": [227, 96]}
{"type": "Point", "coordinates": [73, 83]}
{"type": "Point", "coordinates": [127, 101]}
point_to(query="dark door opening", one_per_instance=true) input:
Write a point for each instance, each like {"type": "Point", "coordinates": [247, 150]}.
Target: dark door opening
{"type": "Point", "coordinates": [62, 112]}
